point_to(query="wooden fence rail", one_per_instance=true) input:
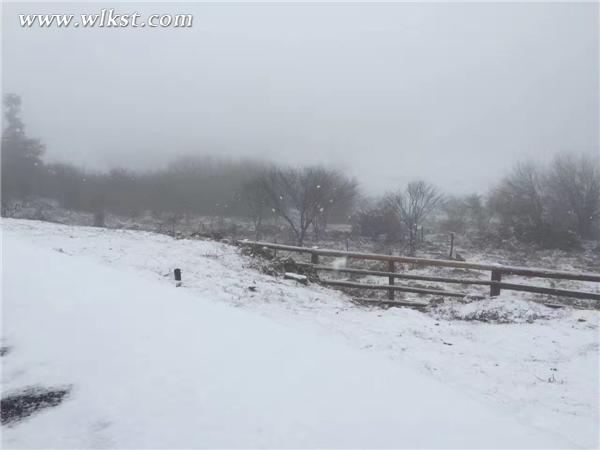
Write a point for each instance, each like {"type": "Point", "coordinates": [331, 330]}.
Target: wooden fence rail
{"type": "Point", "coordinates": [415, 290]}
{"type": "Point", "coordinates": [495, 282]}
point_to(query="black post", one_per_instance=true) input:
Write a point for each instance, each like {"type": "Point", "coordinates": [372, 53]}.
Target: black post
{"type": "Point", "coordinates": [177, 277]}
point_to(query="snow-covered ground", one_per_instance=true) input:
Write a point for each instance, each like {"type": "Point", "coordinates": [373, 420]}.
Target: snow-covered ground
{"type": "Point", "coordinates": [236, 358]}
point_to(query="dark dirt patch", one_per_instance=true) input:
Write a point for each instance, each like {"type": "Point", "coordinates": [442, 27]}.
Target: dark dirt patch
{"type": "Point", "coordinates": [4, 350]}
{"type": "Point", "coordinates": [19, 405]}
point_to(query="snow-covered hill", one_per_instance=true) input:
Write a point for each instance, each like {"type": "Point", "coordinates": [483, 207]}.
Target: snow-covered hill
{"type": "Point", "coordinates": [235, 358]}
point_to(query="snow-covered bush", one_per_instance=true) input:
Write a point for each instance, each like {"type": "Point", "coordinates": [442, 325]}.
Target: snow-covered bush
{"type": "Point", "coordinates": [506, 308]}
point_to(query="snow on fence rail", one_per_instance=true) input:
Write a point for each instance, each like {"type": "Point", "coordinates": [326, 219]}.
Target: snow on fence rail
{"type": "Point", "coordinates": [495, 282]}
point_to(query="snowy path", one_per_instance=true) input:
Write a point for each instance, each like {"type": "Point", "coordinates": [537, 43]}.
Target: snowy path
{"type": "Point", "coordinates": [147, 373]}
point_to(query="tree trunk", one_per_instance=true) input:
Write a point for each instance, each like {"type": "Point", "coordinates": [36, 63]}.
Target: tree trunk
{"type": "Point", "coordinates": [301, 237]}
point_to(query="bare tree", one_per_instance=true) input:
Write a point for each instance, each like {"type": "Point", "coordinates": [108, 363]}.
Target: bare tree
{"type": "Point", "coordinates": [413, 206]}
{"type": "Point", "coordinates": [303, 196]}
{"type": "Point", "coordinates": [519, 202]}
{"type": "Point", "coordinates": [337, 200]}
{"type": "Point", "coordinates": [553, 206]}
{"type": "Point", "coordinates": [574, 191]}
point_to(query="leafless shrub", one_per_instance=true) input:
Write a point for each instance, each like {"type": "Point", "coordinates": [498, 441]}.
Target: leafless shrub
{"type": "Point", "coordinates": [374, 221]}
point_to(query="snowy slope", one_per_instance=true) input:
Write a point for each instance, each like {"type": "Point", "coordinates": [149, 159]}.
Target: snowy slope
{"type": "Point", "coordinates": [152, 365]}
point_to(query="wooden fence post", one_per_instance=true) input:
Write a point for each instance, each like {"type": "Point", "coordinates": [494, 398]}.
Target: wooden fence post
{"type": "Point", "coordinates": [391, 280]}
{"type": "Point", "coordinates": [314, 258]}
{"type": "Point", "coordinates": [451, 245]}
{"type": "Point", "coordinates": [495, 290]}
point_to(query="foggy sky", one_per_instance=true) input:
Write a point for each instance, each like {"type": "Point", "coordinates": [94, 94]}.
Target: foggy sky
{"type": "Point", "coordinates": [453, 93]}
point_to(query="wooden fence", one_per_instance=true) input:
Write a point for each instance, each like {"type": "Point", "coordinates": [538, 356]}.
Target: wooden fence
{"type": "Point", "coordinates": [495, 282]}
